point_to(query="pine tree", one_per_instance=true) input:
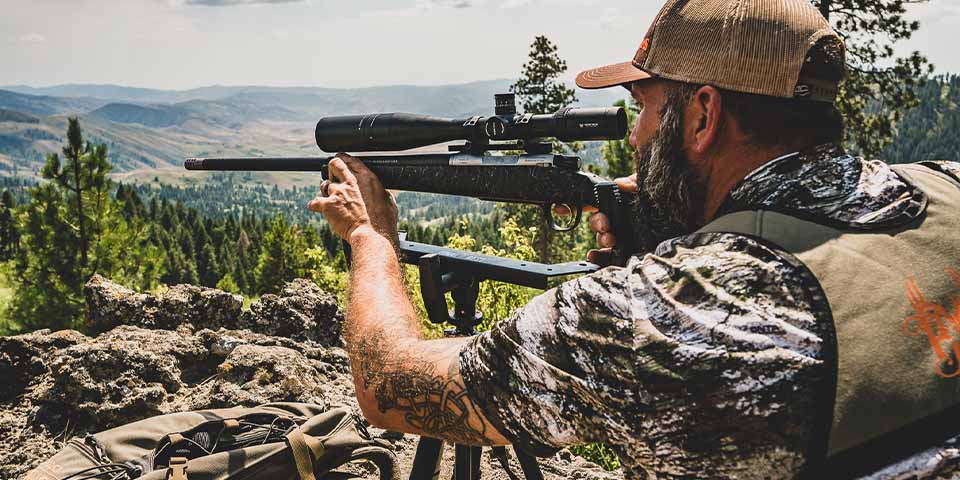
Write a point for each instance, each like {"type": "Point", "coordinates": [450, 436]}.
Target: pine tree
{"type": "Point", "coordinates": [208, 266]}
{"type": "Point", "coordinates": [9, 233]}
{"type": "Point", "coordinates": [282, 258]}
{"type": "Point", "coordinates": [541, 91]}
{"type": "Point", "coordinates": [71, 229]}
{"type": "Point", "coordinates": [228, 284]}
{"type": "Point", "coordinates": [881, 86]}
{"type": "Point", "coordinates": [539, 87]}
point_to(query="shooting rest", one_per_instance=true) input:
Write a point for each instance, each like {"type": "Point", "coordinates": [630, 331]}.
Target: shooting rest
{"type": "Point", "coordinates": [458, 272]}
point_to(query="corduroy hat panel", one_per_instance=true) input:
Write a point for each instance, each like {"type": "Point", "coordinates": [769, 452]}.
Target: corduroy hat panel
{"type": "Point", "coordinates": [750, 46]}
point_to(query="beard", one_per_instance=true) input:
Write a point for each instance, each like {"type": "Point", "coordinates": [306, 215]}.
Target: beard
{"type": "Point", "coordinates": [664, 175]}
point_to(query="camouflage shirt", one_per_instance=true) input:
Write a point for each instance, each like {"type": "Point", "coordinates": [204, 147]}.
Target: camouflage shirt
{"type": "Point", "coordinates": [707, 358]}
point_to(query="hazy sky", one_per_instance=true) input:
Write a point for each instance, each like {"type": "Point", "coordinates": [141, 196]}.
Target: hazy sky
{"type": "Point", "coordinates": [336, 43]}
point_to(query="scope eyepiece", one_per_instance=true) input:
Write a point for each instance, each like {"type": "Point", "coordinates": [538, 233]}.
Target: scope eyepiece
{"type": "Point", "coordinates": [380, 132]}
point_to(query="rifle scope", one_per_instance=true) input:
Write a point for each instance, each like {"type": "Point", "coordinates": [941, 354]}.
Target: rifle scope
{"type": "Point", "coordinates": [379, 132]}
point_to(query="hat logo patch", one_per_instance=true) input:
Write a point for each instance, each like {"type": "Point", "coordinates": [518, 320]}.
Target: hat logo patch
{"type": "Point", "coordinates": [802, 91]}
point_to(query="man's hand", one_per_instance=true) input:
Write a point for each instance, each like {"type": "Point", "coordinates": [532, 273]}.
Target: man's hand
{"type": "Point", "coordinates": [356, 198]}
{"type": "Point", "coordinates": [600, 225]}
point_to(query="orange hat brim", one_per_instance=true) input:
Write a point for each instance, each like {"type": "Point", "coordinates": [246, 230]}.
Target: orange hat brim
{"type": "Point", "coordinates": [611, 76]}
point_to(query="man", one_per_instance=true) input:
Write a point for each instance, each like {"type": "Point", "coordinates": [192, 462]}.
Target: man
{"type": "Point", "coordinates": [809, 306]}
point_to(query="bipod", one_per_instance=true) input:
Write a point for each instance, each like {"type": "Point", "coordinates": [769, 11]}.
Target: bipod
{"type": "Point", "coordinates": [464, 287]}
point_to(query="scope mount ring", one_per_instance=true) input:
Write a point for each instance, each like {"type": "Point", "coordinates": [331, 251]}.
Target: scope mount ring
{"type": "Point", "coordinates": [562, 227]}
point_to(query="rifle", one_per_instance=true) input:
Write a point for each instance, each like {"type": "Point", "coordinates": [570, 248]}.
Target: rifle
{"type": "Point", "coordinates": [535, 175]}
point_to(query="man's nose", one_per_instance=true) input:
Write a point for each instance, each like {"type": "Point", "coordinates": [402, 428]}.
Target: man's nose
{"type": "Point", "coordinates": [633, 137]}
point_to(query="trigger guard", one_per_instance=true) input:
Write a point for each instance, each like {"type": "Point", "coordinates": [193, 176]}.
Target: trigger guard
{"type": "Point", "coordinates": [548, 212]}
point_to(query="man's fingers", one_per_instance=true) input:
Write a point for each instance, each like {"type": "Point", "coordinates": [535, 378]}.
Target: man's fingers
{"type": "Point", "coordinates": [358, 168]}
{"type": "Point", "coordinates": [318, 204]}
{"type": "Point", "coordinates": [339, 170]}
{"type": "Point", "coordinates": [606, 240]}
{"type": "Point", "coordinates": [599, 223]}
{"type": "Point", "coordinates": [335, 189]}
{"type": "Point", "coordinates": [628, 184]}
{"type": "Point", "coordinates": [600, 257]}
{"type": "Point", "coordinates": [354, 163]}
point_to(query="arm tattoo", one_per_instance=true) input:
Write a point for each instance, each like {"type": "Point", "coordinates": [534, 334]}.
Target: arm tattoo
{"type": "Point", "coordinates": [435, 404]}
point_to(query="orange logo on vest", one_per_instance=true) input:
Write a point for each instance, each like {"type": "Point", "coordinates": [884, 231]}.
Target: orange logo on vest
{"type": "Point", "coordinates": [938, 324]}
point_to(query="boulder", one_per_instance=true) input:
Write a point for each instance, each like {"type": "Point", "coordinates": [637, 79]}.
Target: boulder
{"type": "Point", "coordinates": [301, 311]}
{"type": "Point", "coordinates": [110, 304]}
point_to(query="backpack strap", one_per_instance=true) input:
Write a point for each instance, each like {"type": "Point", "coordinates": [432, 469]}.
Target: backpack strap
{"type": "Point", "coordinates": [305, 449]}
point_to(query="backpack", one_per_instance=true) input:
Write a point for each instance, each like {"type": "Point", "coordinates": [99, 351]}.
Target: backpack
{"type": "Point", "coordinates": [295, 441]}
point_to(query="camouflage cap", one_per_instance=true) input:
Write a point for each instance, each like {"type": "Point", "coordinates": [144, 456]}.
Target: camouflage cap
{"type": "Point", "coordinates": [750, 46]}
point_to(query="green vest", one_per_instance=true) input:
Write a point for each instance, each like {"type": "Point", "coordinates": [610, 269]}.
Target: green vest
{"type": "Point", "coordinates": [895, 298]}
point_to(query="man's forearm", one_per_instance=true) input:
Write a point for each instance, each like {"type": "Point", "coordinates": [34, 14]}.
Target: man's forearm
{"type": "Point", "coordinates": [404, 382]}
{"type": "Point", "coordinates": [377, 297]}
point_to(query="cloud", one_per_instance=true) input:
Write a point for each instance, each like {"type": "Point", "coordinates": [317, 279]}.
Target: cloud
{"type": "Point", "coordinates": [514, 3]}
{"type": "Point", "coordinates": [231, 3]}
{"type": "Point", "coordinates": [929, 14]}
{"type": "Point", "coordinates": [428, 4]}
{"type": "Point", "coordinates": [33, 39]}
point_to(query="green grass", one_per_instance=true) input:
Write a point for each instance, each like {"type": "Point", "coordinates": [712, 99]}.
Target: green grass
{"type": "Point", "coordinates": [598, 453]}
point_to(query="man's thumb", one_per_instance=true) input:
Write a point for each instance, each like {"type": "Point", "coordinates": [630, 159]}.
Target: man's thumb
{"type": "Point", "coordinates": [627, 184]}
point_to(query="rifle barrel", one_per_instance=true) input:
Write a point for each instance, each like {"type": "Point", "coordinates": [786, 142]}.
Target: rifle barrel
{"type": "Point", "coordinates": [259, 164]}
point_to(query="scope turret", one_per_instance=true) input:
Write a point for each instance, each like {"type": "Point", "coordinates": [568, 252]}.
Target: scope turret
{"type": "Point", "coordinates": [402, 131]}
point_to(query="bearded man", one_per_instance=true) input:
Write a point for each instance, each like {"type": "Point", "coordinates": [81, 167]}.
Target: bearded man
{"type": "Point", "coordinates": [804, 314]}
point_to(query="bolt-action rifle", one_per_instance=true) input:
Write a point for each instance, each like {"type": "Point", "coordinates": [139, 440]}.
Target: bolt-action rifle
{"type": "Point", "coordinates": [535, 176]}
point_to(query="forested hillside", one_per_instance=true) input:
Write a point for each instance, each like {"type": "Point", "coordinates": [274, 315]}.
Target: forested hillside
{"type": "Point", "coordinates": [930, 131]}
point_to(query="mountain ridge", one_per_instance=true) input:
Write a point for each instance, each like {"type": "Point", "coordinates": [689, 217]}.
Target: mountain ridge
{"type": "Point", "coordinates": [234, 121]}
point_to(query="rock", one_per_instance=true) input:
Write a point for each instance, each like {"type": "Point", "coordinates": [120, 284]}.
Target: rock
{"type": "Point", "coordinates": [110, 304]}
{"type": "Point", "coordinates": [254, 374]}
{"type": "Point", "coordinates": [302, 311]}
{"type": "Point", "coordinates": [176, 352]}
{"type": "Point", "coordinates": [118, 377]}
{"type": "Point", "coordinates": [21, 358]}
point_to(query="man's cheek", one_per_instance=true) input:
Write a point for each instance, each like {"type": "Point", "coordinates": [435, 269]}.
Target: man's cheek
{"type": "Point", "coordinates": [643, 132]}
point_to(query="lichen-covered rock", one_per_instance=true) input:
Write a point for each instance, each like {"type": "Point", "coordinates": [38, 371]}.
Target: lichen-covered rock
{"type": "Point", "coordinates": [58, 385]}
{"type": "Point", "coordinates": [21, 357]}
{"type": "Point", "coordinates": [252, 373]}
{"type": "Point", "coordinates": [110, 304]}
{"type": "Point", "coordinates": [120, 376]}
{"type": "Point", "coordinates": [301, 311]}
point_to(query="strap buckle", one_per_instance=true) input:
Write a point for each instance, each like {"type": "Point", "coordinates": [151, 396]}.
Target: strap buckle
{"type": "Point", "coordinates": [177, 469]}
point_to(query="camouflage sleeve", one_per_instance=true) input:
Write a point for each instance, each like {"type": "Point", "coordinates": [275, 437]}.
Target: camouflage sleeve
{"type": "Point", "coordinates": [706, 358]}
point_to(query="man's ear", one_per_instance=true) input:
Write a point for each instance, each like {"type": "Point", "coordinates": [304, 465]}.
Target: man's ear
{"type": "Point", "coordinates": [704, 119]}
